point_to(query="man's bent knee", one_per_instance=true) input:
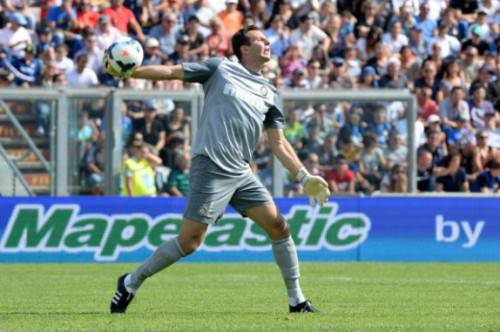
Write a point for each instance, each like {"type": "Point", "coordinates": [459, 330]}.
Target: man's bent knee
{"type": "Point", "coordinates": [191, 235]}
{"type": "Point", "coordinates": [279, 228]}
{"type": "Point", "coordinates": [189, 245]}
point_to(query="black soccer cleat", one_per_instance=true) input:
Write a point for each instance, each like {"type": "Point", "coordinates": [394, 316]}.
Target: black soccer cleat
{"type": "Point", "coordinates": [305, 306]}
{"type": "Point", "coordinates": [122, 298]}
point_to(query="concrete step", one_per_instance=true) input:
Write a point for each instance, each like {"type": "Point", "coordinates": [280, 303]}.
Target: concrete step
{"type": "Point", "coordinates": [10, 131]}
{"type": "Point", "coordinates": [14, 142]}
{"type": "Point", "coordinates": [18, 106]}
{"type": "Point", "coordinates": [37, 179]}
{"type": "Point", "coordinates": [23, 118]}
{"type": "Point", "coordinates": [30, 166]}
{"type": "Point", "coordinates": [26, 154]}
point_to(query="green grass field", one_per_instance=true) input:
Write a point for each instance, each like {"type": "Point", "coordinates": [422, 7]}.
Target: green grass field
{"type": "Point", "coordinates": [251, 297]}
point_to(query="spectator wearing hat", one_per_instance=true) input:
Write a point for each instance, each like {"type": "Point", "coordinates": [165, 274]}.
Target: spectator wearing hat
{"type": "Point", "coordinates": [338, 75]}
{"type": "Point", "coordinates": [278, 36]}
{"type": "Point", "coordinates": [298, 80]}
{"type": "Point", "coordinates": [449, 44]}
{"type": "Point", "coordinates": [46, 41]}
{"type": "Point", "coordinates": [231, 17]}
{"type": "Point", "coordinates": [368, 78]}
{"type": "Point", "coordinates": [181, 50]}
{"type": "Point", "coordinates": [476, 40]}
{"type": "Point", "coordinates": [106, 33]}
{"type": "Point", "coordinates": [81, 76]}
{"type": "Point", "coordinates": [15, 36]}
{"type": "Point", "coordinates": [123, 19]}
{"type": "Point", "coordinates": [86, 17]}
{"type": "Point", "coordinates": [152, 55]}
{"type": "Point", "coordinates": [418, 43]}
{"type": "Point", "coordinates": [166, 33]}
{"type": "Point", "coordinates": [26, 69]}
{"type": "Point", "coordinates": [394, 78]}
{"type": "Point", "coordinates": [307, 35]}
{"type": "Point", "coordinates": [478, 106]}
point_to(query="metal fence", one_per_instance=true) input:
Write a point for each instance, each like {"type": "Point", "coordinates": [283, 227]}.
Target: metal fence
{"type": "Point", "coordinates": [66, 105]}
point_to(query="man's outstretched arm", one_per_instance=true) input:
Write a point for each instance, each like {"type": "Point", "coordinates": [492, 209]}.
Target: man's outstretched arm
{"type": "Point", "coordinates": [314, 186]}
{"type": "Point", "coordinates": [158, 73]}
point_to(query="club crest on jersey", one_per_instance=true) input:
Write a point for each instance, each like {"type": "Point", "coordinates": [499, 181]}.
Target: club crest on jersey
{"type": "Point", "coordinates": [264, 91]}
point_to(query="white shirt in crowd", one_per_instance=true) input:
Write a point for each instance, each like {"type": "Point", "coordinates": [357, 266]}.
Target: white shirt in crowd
{"type": "Point", "coordinates": [449, 45]}
{"type": "Point", "coordinates": [394, 45]}
{"type": "Point", "coordinates": [307, 41]}
{"type": "Point", "coordinates": [16, 40]}
{"type": "Point", "coordinates": [85, 79]}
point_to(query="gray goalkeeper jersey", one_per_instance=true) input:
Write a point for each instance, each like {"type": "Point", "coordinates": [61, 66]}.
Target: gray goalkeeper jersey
{"type": "Point", "coordinates": [239, 103]}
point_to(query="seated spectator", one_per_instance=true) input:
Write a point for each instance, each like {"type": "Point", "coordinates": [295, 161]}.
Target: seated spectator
{"type": "Point", "coordinates": [86, 17]}
{"type": "Point", "coordinates": [81, 76]}
{"type": "Point", "coordinates": [476, 40]}
{"type": "Point", "coordinates": [340, 179]}
{"type": "Point", "coordinates": [14, 35]}
{"type": "Point", "coordinates": [338, 76]}
{"type": "Point", "coordinates": [231, 17]}
{"type": "Point", "coordinates": [26, 69]}
{"type": "Point", "coordinates": [278, 36]}
{"type": "Point", "coordinates": [94, 53]}
{"type": "Point", "coordinates": [449, 45]}
{"type": "Point", "coordinates": [452, 76]}
{"type": "Point", "coordinates": [313, 78]}
{"type": "Point", "coordinates": [453, 107]}
{"type": "Point", "coordinates": [455, 179]}
{"type": "Point", "coordinates": [353, 127]}
{"type": "Point", "coordinates": [292, 60]}
{"type": "Point", "coordinates": [218, 40]}
{"type": "Point", "coordinates": [426, 180]}
{"type": "Point", "coordinates": [178, 179]}
{"type": "Point", "coordinates": [462, 133]}
{"type": "Point", "coordinates": [178, 122]}
{"type": "Point", "coordinates": [106, 33]}
{"type": "Point", "coordinates": [327, 152]}
{"type": "Point", "coordinates": [63, 63]}
{"type": "Point", "coordinates": [395, 39]}
{"type": "Point", "coordinates": [486, 78]}
{"type": "Point", "coordinates": [151, 127]}
{"type": "Point", "coordinates": [92, 163]}
{"type": "Point", "coordinates": [396, 181]}
{"type": "Point", "coordinates": [138, 172]}
{"type": "Point", "coordinates": [297, 80]}
{"type": "Point", "coordinates": [426, 107]}
{"type": "Point", "coordinates": [123, 18]}
{"type": "Point", "coordinates": [308, 35]}
{"type": "Point", "coordinates": [372, 163]}
{"type": "Point", "coordinates": [396, 152]}
{"type": "Point", "coordinates": [181, 53]}
{"type": "Point", "coordinates": [152, 55]}
{"type": "Point", "coordinates": [198, 48]}
{"type": "Point", "coordinates": [471, 64]}
{"type": "Point", "coordinates": [368, 78]}
{"type": "Point", "coordinates": [428, 80]}
{"type": "Point", "coordinates": [166, 33]}
{"type": "Point", "coordinates": [62, 17]}
{"type": "Point", "coordinates": [490, 126]}
{"type": "Point", "coordinates": [380, 126]}
{"type": "Point", "coordinates": [479, 107]}
{"type": "Point", "coordinates": [488, 181]}
{"type": "Point", "coordinates": [485, 153]}
{"type": "Point", "coordinates": [294, 129]}
{"type": "Point", "coordinates": [436, 146]}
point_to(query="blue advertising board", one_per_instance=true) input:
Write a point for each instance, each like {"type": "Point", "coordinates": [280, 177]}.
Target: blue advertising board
{"type": "Point", "coordinates": [115, 229]}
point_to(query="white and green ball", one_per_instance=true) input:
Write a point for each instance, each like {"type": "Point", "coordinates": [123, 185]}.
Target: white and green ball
{"type": "Point", "coordinates": [125, 55]}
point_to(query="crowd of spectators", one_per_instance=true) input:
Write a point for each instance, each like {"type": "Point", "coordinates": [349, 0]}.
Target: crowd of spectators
{"type": "Point", "coordinates": [444, 51]}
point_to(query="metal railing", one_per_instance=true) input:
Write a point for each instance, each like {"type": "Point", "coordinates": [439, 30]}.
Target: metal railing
{"type": "Point", "coordinates": [13, 183]}
{"type": "Point", "coordinates": [60, 136]}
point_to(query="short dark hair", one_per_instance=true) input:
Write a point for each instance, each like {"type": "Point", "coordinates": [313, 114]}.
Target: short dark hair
{"type": "Point", "coordinates": [240, 38]}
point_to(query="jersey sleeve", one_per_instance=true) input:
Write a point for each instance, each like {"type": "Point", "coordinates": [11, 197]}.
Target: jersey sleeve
{"type": "Point", "coordinates": [274, 119]}
{"type": "Point", "coordinates": [200, 72]}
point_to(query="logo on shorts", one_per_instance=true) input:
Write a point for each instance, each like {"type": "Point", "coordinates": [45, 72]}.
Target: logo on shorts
{"type": "Point", "coordinates": [204, 210]}
{"type": "Point", "coordinates": [264, 90]}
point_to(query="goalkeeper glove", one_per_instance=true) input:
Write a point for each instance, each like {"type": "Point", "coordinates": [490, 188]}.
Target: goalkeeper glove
{"type": "Point", "coordinates": [314, 187]}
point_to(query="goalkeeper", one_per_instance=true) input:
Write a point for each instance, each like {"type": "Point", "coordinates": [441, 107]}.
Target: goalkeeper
{"type": "Point", "coordinates": [239, 103]}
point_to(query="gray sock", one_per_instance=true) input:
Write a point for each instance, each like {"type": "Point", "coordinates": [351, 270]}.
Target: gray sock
{"type": "Point", "coordinates": [285, 255]}
{"type": "Point", "coordinates": [165, 255]}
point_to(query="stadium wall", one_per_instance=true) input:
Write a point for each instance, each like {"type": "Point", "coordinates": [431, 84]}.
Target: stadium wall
{"type": "Point", "coordinates": [114, 229]}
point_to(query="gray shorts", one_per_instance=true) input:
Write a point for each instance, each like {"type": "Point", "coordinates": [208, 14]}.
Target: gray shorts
{"type": "Point", "coordinates": [211, 189]}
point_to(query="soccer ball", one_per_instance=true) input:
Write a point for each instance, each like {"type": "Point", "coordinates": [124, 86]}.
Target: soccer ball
{"type": "Point", "coordinates": [124, 55]}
